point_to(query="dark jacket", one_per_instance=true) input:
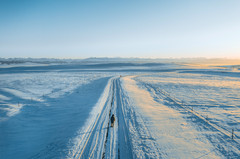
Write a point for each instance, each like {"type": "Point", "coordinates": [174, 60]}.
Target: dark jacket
{"type": "Point", "coordinates": [112, 118]}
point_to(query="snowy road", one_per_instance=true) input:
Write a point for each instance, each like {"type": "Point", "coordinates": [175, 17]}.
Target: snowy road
{"type": "Point", "coordinates": [147, 127]}
{"type": "Point", "coordinates": [101, 140]}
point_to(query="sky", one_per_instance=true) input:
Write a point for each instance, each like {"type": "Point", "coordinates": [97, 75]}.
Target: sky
{"type": "Point", "coordinates": [120, 28]}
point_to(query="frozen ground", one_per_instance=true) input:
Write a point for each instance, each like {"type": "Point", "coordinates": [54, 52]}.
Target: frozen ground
{"type": "Point", "coordinates": [162, 111]}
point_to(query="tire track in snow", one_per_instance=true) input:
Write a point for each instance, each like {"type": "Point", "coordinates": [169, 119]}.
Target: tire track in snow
{"type": "Point", "coordinates": [105, 143]}
{"type": "Point", "coordinates": [118, 144]}
{"type": "Point", "coordinates": [124, 140]}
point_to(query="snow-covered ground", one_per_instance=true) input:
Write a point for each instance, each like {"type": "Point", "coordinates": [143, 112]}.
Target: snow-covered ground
{"type": "Point", "coordinates": [162, 111]}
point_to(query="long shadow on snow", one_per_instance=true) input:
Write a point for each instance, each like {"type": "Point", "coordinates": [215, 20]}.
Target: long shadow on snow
{"type": "Point", "coordinates": [42, 131]}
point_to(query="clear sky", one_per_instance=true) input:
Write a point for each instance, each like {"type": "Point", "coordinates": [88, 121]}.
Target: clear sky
{"type": "Point", "coordinates": [120, 28]}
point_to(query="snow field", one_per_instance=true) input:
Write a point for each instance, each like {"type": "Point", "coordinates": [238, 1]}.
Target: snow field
{"type": "Point", "coordinates": [207, 109]}
{"type": "Point", "coordinates": [159, 131]}
{"type": "Point", "coordinates": [18, 90]}
{"type": "Point", "coordinates": [214, 97]}
{"type": "Point", "coordinates": [170, 113]}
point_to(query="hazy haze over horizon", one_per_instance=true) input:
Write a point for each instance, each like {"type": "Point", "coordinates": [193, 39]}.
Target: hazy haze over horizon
{"type": "Point", "coordinates": [148, 29]}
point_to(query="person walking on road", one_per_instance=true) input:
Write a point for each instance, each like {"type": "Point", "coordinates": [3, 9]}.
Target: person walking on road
{"type": "Point", "coordinates": [112, 120]}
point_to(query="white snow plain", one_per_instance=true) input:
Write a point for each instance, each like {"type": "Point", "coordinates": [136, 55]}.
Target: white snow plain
{"type": "Point", "coordinates": [162, 111]}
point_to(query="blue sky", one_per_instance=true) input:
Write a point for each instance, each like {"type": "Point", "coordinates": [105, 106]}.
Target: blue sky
{"type": "Point", "coordinates": [156, 29]}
